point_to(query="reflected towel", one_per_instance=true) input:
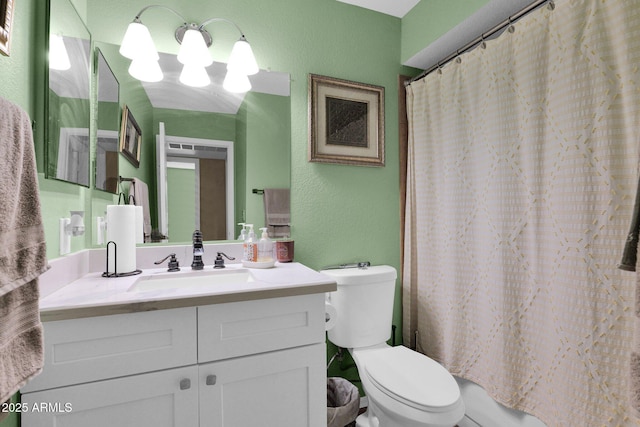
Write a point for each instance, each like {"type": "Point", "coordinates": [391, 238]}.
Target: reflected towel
{"type": "Point", "coordinates": [22, 253]}
{"type": "Point", "coordinates": [140, 192]}
{"type": "Point", "coordinates": [277, 213]}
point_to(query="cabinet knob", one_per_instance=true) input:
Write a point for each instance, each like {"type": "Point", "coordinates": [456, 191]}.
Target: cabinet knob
{"type": "Point", "coordinates": [211, 380]}
{"type": "Point", "coordinates": [185, 384]}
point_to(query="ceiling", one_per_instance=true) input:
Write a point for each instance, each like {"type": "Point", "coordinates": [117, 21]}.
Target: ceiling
{"type": "Point", "coordinates": [397, 8]}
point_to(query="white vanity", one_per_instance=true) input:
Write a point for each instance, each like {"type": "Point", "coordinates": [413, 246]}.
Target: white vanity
{"type": "Point", "coordinates": [245, 354]}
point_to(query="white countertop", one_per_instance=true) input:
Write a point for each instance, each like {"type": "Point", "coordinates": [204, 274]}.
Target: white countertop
{"type": "Point", "coordinates": [94, 295]}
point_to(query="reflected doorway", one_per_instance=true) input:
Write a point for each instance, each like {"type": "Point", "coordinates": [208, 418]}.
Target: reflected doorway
{"type": "Point", "coordinates": [199, 188]}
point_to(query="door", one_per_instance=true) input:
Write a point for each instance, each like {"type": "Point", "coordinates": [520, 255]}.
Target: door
{"type": "Point", "coordinates": [160, 399]}
{"type": "Point", "coordinates": [161, 173]}
{"type": "Point", "coordinates": [284, 388]}
{"type": "Point", "coordinates": [213, 199]}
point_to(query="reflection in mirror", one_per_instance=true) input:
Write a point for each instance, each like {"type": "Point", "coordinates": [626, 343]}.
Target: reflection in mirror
{"type": "Point", "coordinates": [257, 123]}
{"type": "Point", "coordinates": [68, 101]}
{"type": "Point", "coordinates": [108, 124]}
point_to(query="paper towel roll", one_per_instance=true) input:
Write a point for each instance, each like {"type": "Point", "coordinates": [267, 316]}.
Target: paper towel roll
{"type": "Point", "coordinates": [121, 229]}
{"type": "Point", "coordinates": [330, 315]}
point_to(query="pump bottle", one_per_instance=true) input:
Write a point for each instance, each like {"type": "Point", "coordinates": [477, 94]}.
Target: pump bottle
{"type": "Point", "coordinates": [265, 247]}
{"type": "Point", "coordinates": [243, 232]}
{"type": "Point", "coordinates": [251, 245]}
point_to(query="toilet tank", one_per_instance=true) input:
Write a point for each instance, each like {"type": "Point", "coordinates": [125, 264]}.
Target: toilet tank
{"type": "Point", "coordinates": [364, 303]}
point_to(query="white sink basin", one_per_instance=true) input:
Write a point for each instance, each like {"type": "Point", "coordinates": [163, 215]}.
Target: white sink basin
{"type": "Point", "coordinates": [192, 280]}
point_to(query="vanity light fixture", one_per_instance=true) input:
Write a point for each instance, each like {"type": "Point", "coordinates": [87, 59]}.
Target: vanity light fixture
{"type": "Point", "coordinates": [194, 54]}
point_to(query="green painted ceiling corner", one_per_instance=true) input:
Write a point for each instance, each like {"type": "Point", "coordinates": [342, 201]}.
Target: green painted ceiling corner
{"type": "Point", "coordinates": [430, 20]}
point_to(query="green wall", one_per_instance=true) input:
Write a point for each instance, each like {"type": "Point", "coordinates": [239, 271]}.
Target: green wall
{"type": "Point", "coordinates": [339, 213]}
{"type": "Point", "coordinates": [181, 185]}
{"type": "Point", "coordinates": [267, 144]}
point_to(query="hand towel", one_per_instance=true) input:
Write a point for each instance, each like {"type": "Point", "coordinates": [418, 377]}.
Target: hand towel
{"type": "Point", "coordinates": [140, 192]}
{"type": "Point", "coordinates": [277, 211]}
{"type": "Point", "coordinates": [22, 253]}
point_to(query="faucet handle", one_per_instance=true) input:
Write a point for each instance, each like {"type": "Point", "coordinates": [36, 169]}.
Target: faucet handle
{"type": "Point", "coordinates": [173, 262]}
{"type": "Point", "coordinates": [219, 262]}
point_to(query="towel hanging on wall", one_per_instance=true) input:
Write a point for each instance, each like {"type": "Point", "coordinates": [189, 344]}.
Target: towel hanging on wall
{"type": "Point", "coordinates": [277, 212]}
{"type": "Point", "coordinates": [22, 253]}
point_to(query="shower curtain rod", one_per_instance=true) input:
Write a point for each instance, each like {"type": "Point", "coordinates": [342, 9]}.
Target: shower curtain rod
{"type": "Point", "coordinates": [485, 36]}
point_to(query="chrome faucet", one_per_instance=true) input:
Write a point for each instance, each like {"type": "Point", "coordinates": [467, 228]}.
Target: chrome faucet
{"type": "Point", "coordinates": [198, 251]}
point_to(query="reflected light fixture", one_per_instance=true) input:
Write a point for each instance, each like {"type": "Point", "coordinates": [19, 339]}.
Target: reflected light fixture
{"type": "Point", "coordinates": [58, 56]}
{"type": "Point", "coordinates": [193, 54]}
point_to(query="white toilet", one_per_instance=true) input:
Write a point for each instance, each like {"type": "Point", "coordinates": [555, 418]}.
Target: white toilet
{"type": "Point", "coordinates": [404, 388]}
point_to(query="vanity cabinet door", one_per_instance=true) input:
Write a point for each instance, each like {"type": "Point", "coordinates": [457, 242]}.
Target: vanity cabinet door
{"type": "Point", "coordinates": [159, 399]}
{"type": "Point", "coordinates": [278, 389]}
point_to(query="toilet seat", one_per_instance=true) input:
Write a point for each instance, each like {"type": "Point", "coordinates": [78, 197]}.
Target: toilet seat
{"type": "Point", "coordinates": [411, 378]}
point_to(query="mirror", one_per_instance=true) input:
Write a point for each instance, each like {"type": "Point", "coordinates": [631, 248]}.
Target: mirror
{"type": "Point", "coordinates": [258, 124]}
{"type": "Point", "coordinates": [68, 103]}
{"type": "Point", "coordinates": [108, 125]}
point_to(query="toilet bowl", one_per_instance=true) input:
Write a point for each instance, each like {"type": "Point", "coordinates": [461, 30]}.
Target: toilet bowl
{"type": "Point", "coordinates": [404, 388]}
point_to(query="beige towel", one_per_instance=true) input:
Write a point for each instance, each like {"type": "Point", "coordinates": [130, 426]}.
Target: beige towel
{"type": "Point", "coordinates": [140, 192]}
{"type": "Point", "coordinates": [277, 211]}
{"type": "Point", "coordinates": [22, 253]}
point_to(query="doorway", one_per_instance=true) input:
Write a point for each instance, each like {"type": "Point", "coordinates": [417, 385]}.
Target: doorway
{"type": "Point", "coordinates": [199, 190]}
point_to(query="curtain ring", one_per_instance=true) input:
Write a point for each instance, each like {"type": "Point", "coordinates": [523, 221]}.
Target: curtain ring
{"type": "Point", "coordinates": [483, 44]}
{"type": "Point", "coordinates": [511, 27]}
{"type": "Point", "coordinates": [458, 59]}
{"type": "Point", "coordinates": [439, 68]}
{"type": "Point", "coordinates": [551, 5]}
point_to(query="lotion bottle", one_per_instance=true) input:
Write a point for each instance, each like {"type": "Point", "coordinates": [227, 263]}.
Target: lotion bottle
{"type": "Point", "coordinates": [265, 247]}
{"type": "Point", "coordinates": [251, 245]}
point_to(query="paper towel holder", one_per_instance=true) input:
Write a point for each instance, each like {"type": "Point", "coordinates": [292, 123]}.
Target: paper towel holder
{"type": "Point", "coordinates": [115, 264]}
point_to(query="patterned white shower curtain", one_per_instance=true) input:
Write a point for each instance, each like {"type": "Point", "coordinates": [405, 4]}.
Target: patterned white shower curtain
{"type": "Point", "coordinates": [523, 166]}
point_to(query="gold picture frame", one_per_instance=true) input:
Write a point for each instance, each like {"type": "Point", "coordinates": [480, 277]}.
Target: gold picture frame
{"type": "Point", "coordinates": [6, 23]}
{"type": "Point", "coordinates": [130, 137]}
{"type": "Point", "coordinates": [346, 122]}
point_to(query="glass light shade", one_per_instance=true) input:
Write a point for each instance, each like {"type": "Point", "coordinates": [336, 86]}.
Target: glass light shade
{"type": "Point", "coordinates": [194, 76]}
{"type": "Point", "coordinates": [235, 82]}
{"type": "Point", "coordinates": [146, 70]}
{"type": "Point", "coordinates": [194, 50]}
{"type": "Point", "coordinates": [241, 59]}
{"type": "Point", "coordinates": [58, 56]}
{"type": "Point", "coordinates": [138, 44]}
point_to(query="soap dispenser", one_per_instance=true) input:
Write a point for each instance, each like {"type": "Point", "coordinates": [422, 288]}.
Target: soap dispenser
{"type": "Point", "coordinates": [265, 247]}
{"type": "Point", "coordinates": [243, 232]}
{"type": "Point", "coordinates": [250, 247]}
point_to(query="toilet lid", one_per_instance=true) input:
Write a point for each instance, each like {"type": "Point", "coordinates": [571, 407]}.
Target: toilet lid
{"type": "Point", "coordinates": [413, 378]}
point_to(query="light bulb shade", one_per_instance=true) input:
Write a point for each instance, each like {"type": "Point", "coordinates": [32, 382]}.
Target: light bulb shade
{"type": "Point", "coordinates": [194, 76]}
{"type": "Point", "coordinates": [146, 70]}
{"type": "Point", "coordinates": [236, 82]}
{"type": "Point", "coordinates": [241, 59]}
{"type": "Point", "coordinates": [138, 44]}
{"type": "Point", "coordinates": [194, 50]}
{"type": "Point", "coordinates": [58, 56]}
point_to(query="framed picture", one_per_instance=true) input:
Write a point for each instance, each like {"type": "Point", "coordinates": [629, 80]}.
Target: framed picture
{"type": "Point", "coordinates": [6, 21]}
{"type": "Point", "coordinates": [346, 122]}
{"type": "Point", "coordinates": [130, 137]}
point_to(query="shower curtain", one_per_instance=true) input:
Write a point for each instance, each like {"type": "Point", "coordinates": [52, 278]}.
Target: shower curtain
{"type": "Point", "coordinates": [523, 166]}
